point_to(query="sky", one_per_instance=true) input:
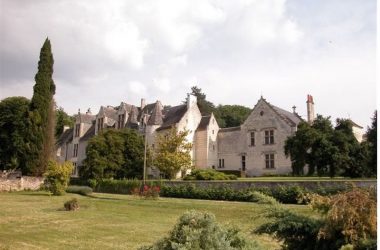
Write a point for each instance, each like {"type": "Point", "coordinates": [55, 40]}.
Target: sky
{"type": "Point", "coordinates": [106, 52]}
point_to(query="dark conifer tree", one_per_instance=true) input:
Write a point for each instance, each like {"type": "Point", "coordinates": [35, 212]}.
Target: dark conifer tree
{"type": "Point", "coordinates": [41, 114]}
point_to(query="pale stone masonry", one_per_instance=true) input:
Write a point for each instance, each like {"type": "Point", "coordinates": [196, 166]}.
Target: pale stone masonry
{"type": "Point", "coordinates": [255, 148]}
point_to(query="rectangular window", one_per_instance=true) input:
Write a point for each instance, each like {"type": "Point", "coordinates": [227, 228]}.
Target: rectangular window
{"type": "Point", "coordinates": [75, 150]}
{"type": "Point", "coordinates": [77, 130]}
{"type": "Point", "coordinates": [252, 139]}
{"type": "Point", "coordinates": [269, 137]}
{"type": "Point", "coordinates": [243, 162]}
{"type": "Point", "coordinates": [221, 163]}
{"type": "Point", "coordinates": [269, 161]}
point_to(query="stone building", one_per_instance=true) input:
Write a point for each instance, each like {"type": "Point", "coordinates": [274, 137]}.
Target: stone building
{"type": "Point", "coordinates": [256, 147]}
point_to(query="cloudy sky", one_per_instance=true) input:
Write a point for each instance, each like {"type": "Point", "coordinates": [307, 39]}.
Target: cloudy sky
{"type": "Point", "coordinates": [111, 51]}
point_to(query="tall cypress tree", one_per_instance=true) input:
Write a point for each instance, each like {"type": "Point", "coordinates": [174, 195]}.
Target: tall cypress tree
{"type": "Point", "coordinates": [41, 113]}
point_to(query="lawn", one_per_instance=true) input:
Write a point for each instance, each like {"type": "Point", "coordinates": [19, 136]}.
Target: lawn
{"type": "Point", "coordinates": [35, 220]}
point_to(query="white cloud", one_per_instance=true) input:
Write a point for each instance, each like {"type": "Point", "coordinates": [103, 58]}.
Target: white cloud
{"type": "Point", "coordinates": [137, 88]}
{"type": "Point", "coordinates": [123, 41]}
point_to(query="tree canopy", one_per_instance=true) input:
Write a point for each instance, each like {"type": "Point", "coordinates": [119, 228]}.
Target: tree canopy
{"type": "Point", "coordinates": [41, 113]}
{"type": "Point", "coordinates": [326, 150]}
{"type": "Point", "coordinates": [173, 152]}
{"type": "Point", "coordinates": [62, 119]}
{"type": "Point", "coordinates": [114, 154]}
{"type": "Point", "coordinates": [13, 133]}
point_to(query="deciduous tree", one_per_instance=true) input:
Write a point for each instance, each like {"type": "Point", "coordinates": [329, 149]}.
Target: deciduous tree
{"type": "Point", "coordinates": [173, 152]}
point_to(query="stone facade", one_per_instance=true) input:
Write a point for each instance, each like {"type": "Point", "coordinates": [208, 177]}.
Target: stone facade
{"type": "Point", "coordinates": [256, 147]}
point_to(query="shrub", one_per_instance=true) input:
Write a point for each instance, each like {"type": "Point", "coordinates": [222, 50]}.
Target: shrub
{"type": "Point", "coordinates": [83, 190]}
{"type": "Point", "coordinates": [208, 174]}
{"type": "Point", "coordinates": [92, 183]}
{"type": "Point", "coordinates": [71, 205]}
{"type": "Point", "coordinates": [349, 220]}
{"type": "Point", "coordinates": [149, 192]}
{"type": "Point", "coordinates": [196, 230]}
{"type": "Point", "coordinates": [350, 216]}
{"type": "Point", "coordinates": [57, 177]}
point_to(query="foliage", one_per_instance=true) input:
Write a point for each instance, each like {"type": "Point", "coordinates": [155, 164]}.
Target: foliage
{"type": "Point", "coordinates": [57, 177]}
{"type": "Point", "coordinates": [208, 174]}
{"type": "Point", "coordinates": [83, 190]}
{"type": "Point", "coordinates": [215, 193]}
{"type": "Point", "coordinates": [122, 186]}
{"type": "Point", "coordinates": [71, 205]}
{"type": "Point", "coordinates": [41, 114]}
{"type": "Point", "coordinates": [326, 150]}
{"type": "Point", "coordinates": [62, 119]}
{"type": "Point", "coordinates": [114, 154]}
{"type": "Point", "coordinates": [231, 115]}
{"type": "Point", "coordinates": [173, 152]}
{"type": "Point", "coordinates": [347, 218]}
{"type": "Point", "coordinates": [147, 192]}
{"type": "Point", "coordinates": [13, 133]}
{"type": "Point", "coordinates": [350, 216]}
{"type": "Point", "coordinates": [371, 144]}
{"type": "Point", "coordinates": [204, 106]}
{"type": "Point", "coordinates": [196, 231]}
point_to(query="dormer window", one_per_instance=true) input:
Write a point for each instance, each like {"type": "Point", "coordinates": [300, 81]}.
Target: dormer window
{"type": "Point", "coordinates": [77, 130]}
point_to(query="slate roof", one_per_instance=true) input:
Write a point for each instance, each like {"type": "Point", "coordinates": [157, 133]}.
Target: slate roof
{"type": "Point", "coordinates": [173, 116]}
{"type": "Point", "coordinates": [292, 118]}
{"type": "Point", "coordinates": [354, 124]}
{"type": "Point", "coordinates": [90, 133]}
{"type": "Point", "coordinates": [65, 137]}
{"type": "Point", "coordinates": [223, 130]}
{"type": "Point", "coordinates": [132, 119]}
{"type": "Point", "coordinates": [156, 117]}
{"type": "Point", "coordinates": [86, 118]}
{"type": "Point", "coordinates": [110, 112]}
{"type": "Point", "coordinates": [148, 109]}
{"type": "Point", "coordinates": [204, 122]}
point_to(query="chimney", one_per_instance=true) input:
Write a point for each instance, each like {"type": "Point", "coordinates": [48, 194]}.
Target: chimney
{"type": "Point", "coordinates": [191, 100]}
{"type": "Point", "coordinates": [142, 103]}
{"type": "Point", "coordinates": [294, 109]}
{"type": "Point", "coordinates": [310, 109]}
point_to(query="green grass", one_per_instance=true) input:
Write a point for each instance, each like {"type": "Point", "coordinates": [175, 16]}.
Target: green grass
{"type": "Point", "coordinates": [35, 220]}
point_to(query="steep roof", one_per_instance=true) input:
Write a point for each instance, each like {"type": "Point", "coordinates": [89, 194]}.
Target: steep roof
{"type": "Point", "coordinates": [173, 116]}
{"type": "Point", "coordinates": [156, 117]}
{"type": "Point", "coordinates": [86, 118]}
{"type": "Point", "coordinates": [224, 130]}
{"type": "Point", "coordinates": [132, 119]}
{"type": "Point", "coordinates": [65, 137]}
{"type": "Point", "coordinates": [205, 121]}
{"type": "Point", "coordinates": [290, 118]}
{"type": "Point", "coordinates": [354, 124]}
{"type": "Point", "coordinates": [90, 133]}
{"type": "Point", "coordinates": [148, 109]}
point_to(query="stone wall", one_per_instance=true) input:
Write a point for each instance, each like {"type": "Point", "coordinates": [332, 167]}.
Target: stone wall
{"type": "Point", "coordinates": [239, 185]}
{"type": "Point", "coordinates": [19, 184]}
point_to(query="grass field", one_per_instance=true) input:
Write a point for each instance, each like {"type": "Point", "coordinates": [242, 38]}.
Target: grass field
{"type": "Point", "coordinates": [35, 220]}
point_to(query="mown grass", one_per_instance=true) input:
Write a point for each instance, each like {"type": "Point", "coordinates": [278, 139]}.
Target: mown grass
{"type": "Point", "coordinates": [35, 220]}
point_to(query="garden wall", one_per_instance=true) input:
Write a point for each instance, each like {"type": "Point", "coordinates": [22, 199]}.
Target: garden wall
{"type": "Point", "coordinates": [239, 185]}
{"type": "Point", "coordinates": [20, 183]}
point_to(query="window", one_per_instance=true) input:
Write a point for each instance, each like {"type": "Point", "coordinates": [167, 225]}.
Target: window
{"type": "Point", "coordinates": [269, 137]}
{"type": "Point", "coordinates": [77, 130]}
{"type": "Point", "coordinates": [153, 146]}
{"type": "Point", "coordinates": [100, 124]}
{"type": "Point", "coordinates": [269, 161]}
{"type": "Point", "coordinates": [121, 121]}
{"type": "Point", "coordinates": [243, 162]}
{"type": "Point", "coordinates": [252, 139]}
{"type": "Point", "coordinates": [213, 147]}
{"type": "Point", "coordinates": [212, 131]}
{"type": "Point", "coordinates": [221, 163]}
{"type": "Point", "coordinates": [75, 150]}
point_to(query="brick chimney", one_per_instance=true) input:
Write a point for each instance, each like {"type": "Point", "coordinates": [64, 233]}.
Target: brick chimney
{"type": "Point", "coordinates": [310, 109]}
